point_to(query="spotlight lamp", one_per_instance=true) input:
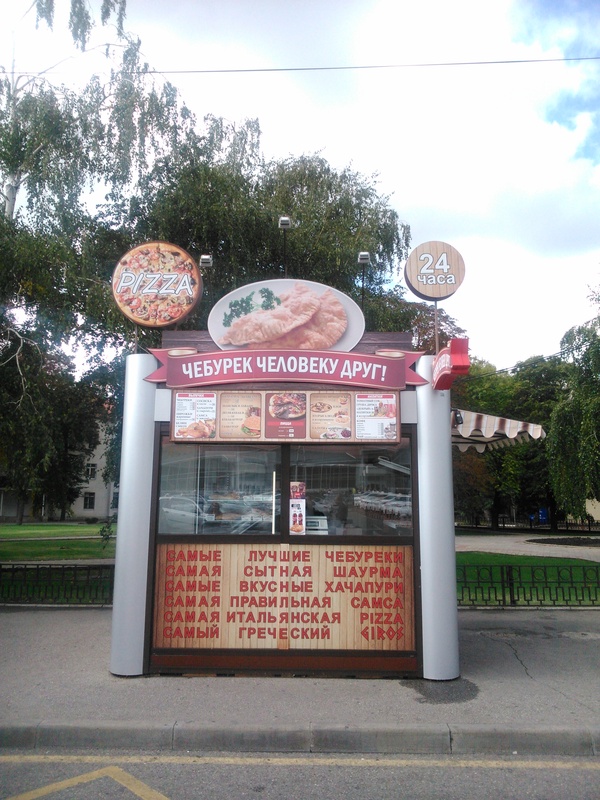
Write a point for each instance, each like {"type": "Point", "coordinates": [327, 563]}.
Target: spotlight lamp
{"type": "Point", "coordinates": [457, 417]}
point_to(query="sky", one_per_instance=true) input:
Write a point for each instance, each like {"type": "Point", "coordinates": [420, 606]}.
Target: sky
{"type": "Point", "coordinates": [478, 118]}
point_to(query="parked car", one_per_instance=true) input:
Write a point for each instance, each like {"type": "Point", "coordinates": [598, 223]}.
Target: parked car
{"type": "Point", "coordinates": [180, 514]}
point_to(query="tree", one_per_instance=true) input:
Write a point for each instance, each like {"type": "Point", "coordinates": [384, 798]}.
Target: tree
{"type": "Point", "coordinates": [473, 485]}
{"type": "Point", "coordinates": [230, 208]}
{"type": "Point", "coordinates": [519, 475]}
{"type": "Point", "coordinates": [50, 424]}
{"type": "Point", "coordinates": [57, 145]}
{"type": "Point", "coordinates": [80, 19]}
{"type": "Point", "coordinates": [574, 440]}
{"type": "Point", "coordinates": [388, 310]}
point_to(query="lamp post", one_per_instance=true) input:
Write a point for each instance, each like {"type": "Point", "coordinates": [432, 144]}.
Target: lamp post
{"type": "Point", "coordinates": [285, 223]}
{"type": "Point", "coordinates": [363, 259]}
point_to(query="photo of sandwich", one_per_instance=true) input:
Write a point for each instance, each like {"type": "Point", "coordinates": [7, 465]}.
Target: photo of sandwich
{"type": "Point", "coordinates": [251, 425]}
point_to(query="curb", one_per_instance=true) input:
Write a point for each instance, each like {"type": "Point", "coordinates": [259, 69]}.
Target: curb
{"type": "Point", "coordinates": [437, 739]}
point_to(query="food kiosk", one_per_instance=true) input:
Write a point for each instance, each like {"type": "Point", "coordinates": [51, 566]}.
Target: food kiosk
{"type": "Point", "coordinates": [273, 475]}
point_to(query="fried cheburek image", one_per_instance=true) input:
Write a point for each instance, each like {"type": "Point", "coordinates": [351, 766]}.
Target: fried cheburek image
{"type": "Point", "coordinates": [296, 308]}
{"type": "Point", "coordinates": [303, 321]}
{"type": "Point", "coordinates": [321, 332]}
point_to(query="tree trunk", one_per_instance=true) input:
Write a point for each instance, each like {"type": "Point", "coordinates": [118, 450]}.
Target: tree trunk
{"type": "Point", "coordinates": [20, 510]}
{"type": "Point", "coordinates": [10, 193]}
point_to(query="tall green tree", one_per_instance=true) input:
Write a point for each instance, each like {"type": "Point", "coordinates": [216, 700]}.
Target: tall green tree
{"type": "Point", "coordinates": [574, 440]}
{"type": "Point", "coordinates": [49, 426]}
{"type": "Point", "coordinates": [518, 477]}
{"type": "Point", "coordinates": [231, 209]}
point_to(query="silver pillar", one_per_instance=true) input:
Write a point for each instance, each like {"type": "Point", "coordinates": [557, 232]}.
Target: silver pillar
{"type": "Point", "coordinates": [133, 528]}
{"type": "Point", "coordinates": [436, 519]}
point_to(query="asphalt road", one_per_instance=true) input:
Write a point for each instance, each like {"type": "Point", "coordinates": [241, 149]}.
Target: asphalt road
{"type": "Point", "coordinates": [151, 776]}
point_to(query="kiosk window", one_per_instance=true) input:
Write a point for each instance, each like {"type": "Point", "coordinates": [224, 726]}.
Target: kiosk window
{"type": "Point", "coordinates": [333, 489]}
{"type": "Point", "coordinates": [215, 490]}
{"type": "Point", "coordinates": [355, 490]}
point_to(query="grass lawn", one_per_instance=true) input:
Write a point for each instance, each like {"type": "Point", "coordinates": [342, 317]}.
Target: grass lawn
{"type": "Point", "coordinates": [46, 530]}
{"type": "Point", "coordinates": [476, 559]}
{"type": "Point", "coordinates": [57, 541]}
{"type": "Point", "coordinates": [53, 541]}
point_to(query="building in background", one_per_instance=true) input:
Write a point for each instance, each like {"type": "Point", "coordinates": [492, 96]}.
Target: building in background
{"type": "Point", "coordinates": [97, 500]}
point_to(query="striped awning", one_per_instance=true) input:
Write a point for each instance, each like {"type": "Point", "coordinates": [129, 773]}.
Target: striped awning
{"type": "Point", "coordinates": [484, 432]}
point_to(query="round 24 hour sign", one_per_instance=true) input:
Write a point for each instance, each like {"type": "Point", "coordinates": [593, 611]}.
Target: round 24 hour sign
{"type": "Point", "coordinates": [434, 270]}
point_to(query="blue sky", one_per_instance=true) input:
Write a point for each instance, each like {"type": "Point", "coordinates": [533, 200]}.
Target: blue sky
{"type": "Point", "coordinates": [500, 160]}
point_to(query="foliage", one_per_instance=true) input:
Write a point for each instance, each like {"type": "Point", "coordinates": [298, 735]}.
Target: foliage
{"type": "Point", "coordinates": [209, 190]}
{"type": "Point", "coordinates": [473, 485]}
{"type": "Point", "coordinates": [388, 310]}
{"type": "Point", "coordinates": [230, 209]}
{"type": "Point", "coordinates": [573, 443]}
{"type": "Point", "coordinates": [49, 427]}
{"type": "Point", "coordinates": [80, 19]}
{"type": "Point", "coordinates": [519, 476]}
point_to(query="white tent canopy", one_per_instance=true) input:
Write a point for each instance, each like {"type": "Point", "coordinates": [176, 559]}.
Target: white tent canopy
{"type": "Point", "coordinates": [484, 432]}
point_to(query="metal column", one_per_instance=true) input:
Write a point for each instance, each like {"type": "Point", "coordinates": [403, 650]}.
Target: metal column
{"type": "Point", "coordinates": [436, 514]}
{"type": "Point", "coordinates": [133, 528]}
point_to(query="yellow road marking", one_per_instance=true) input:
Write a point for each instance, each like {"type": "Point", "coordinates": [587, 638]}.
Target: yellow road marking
{"type": "Point", "coordinates": [116, 773]}
{"type": "Point", "coordinates": [314, 760]}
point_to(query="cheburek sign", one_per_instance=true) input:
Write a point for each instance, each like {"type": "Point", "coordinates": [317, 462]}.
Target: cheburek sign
{"type": "Point", "coordinates": [286, 314]}
{"type": "Point", "coordinates": [156, 284]}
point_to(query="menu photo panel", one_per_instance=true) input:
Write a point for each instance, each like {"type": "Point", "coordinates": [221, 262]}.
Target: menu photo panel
{"type": "Point", "coordinates": [306, 416]}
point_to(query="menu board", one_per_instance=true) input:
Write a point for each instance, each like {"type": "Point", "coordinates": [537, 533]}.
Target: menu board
{"type": "Point", "coordinates": [240, 415]}
{"type": "Point", "coordinates": [195, 416]}
{"type": "Point", "coordinates": [285, 416]}
{"type": "Point", "coordinates": [376, 416]}
{"type": "Point", "coordinates": [330, 415]}
{"type": "Point", "coordinates": [315, 597]}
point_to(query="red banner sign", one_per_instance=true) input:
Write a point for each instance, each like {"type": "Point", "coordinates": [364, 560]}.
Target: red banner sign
{"type": "Point", "coordinates": [451, 362]}
{"type": "Point", "coordinates": [181, 369]}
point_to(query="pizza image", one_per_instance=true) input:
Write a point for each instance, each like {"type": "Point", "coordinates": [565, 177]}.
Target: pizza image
{"type": "Point", "coordinates": [288, 405]}
{"type": "Point", "coordinates": [320, 408]}
{"type": "Point", "coordinates": [156, 284]}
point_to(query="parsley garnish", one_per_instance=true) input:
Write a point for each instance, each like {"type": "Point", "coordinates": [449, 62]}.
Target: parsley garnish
{"type": "Point", "coordinates": [245, 305]}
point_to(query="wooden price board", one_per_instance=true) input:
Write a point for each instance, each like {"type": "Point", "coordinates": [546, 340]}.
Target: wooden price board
{"type": "Point", "coordinates": [284, 597]}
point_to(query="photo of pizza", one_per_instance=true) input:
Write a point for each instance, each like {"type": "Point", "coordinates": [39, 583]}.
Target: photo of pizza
{"type": "Point", "coordinates": [288, 405]}
{"type": "Point", "coordinates": [320, 408]}
{"type": "Point", "coordinates": [156, 284]}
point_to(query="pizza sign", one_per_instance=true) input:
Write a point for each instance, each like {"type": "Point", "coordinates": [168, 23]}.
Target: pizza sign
{"type": "Point", "coordinates": [156, 284]}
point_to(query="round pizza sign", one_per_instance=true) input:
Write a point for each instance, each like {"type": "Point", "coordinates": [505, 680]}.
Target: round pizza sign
{"type": "Point", "coordinates": [156, 284]}
{"type": "Point", "coordinates": [434, 270]}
